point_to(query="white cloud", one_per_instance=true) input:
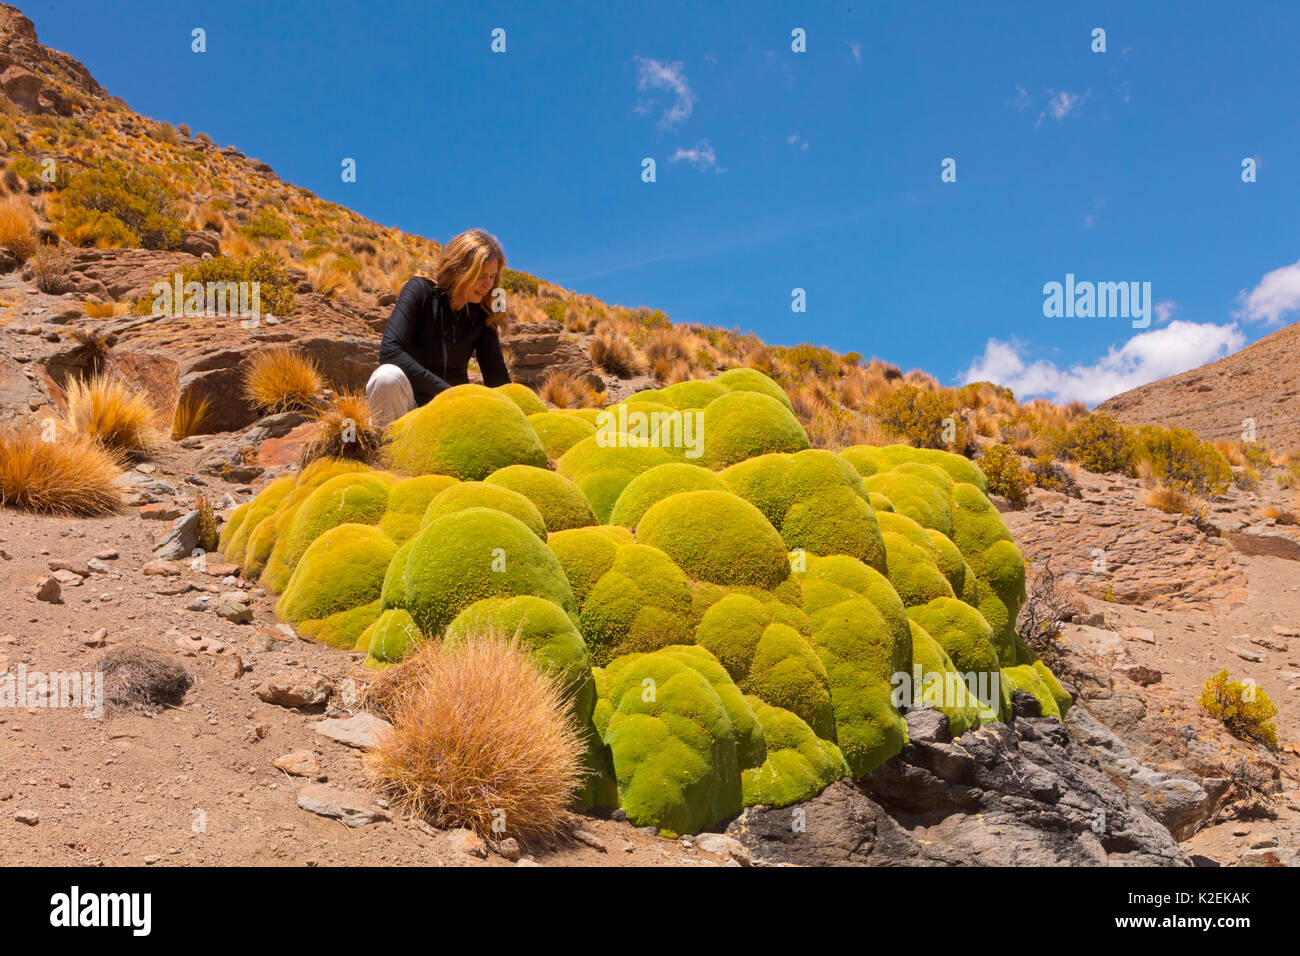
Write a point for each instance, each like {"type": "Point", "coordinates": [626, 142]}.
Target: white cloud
{"type": "Point", "coordinates": [656, 75]}
{"type": "Point", "coordinates": [1145, 357]}
{"type": "Point", "coordinates": [1165, 311]}
{"type": "Point", "coordinates": [856, 49]}
{"type": "Point", "coordinates": [1277, 294]}
{"type": "Point", "coordinates": [1061, 104]}
{"type": "Point", "coordinates": [1022, 100]}
{"type": "Point", "coordinates": [701, 156]}
{"type": "Point", "coordinates": [794, 139]}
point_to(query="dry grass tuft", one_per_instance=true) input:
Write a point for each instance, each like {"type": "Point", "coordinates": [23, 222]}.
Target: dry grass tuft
{"type": "Point", "coordinates": [1170, 500]}
{"type": "Point", "coordinates": [188, 418]}
{"type": "Point", "coordinates": [108, 410]}
{"type": "Point", "coordinates": [343, 430]}
{"type": "Point", "coordinates": [69, 475]}
{"type": "Point", "coordinates": [280, 379]}
{"type": "Point", "coordinates": [18, 228]}
{"type": "Point", "coordinates": [615, 354]}
{"type": "Point", "coordinates": [565, 390]}
{"type": "Point", "coordinates": [479, 734]}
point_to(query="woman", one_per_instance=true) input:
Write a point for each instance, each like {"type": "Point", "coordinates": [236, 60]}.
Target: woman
{"type": "Point", "coordinates": [436, 325]}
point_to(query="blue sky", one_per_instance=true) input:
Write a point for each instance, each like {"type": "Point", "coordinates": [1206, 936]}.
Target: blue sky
{"type": "Point", "coordinates": [779, 170]}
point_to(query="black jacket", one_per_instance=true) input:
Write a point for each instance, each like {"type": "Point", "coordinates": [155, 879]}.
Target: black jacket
{"type": "Point", "coordinates": [433, 346]}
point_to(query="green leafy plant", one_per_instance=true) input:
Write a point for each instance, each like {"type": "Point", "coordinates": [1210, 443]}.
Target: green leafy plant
{"type": "Point", "coordinates": [1245, 710]}
{"type": "Point", "coordinates": [114, 205]}
{"type": "Point", "coordinates": [1100, 444]}
{"type": "Point", "coordinates": [1006, 476]}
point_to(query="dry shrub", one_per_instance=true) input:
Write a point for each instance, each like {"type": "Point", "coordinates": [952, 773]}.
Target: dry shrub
{"type": "Point", "coordinates": [565, 390]}
{"type": "Point", "coordinates": [343, 430]}
{"type": "Point", "coordinates": [671, 345]}
{"type": "Point", "coordinates": [207, 533]}
{"type": "Point", "coordinates": [1281, 515]}
{"type": "Point", "coordinates": [615, 354]}
{"type": "Point", "coordinates": [50, 266]}
{"type": "Point", "coordinates": [73, 475]}
{"type": "Point", "coordinates": [141, 680]}
{"type": "Point", "coordinates": [98, 310]}
{"type": "Point", "coordinates": [107, 409]}
{"type": "Point", "coordinates": [280, 379]}
{"type": "Point", "coordinates": [1049, 603]}
{"type": "Point", "coordinates": [1170, 500]}
{"type": "Point", "coordinates": [679, 371]}
{"type": "Point", "coordinates": [478, 731]}
{"type": "Point", "coordinates": [18, 228]}
{"type": "Point", "coordinates": [96, 345]}
{"type": "Point", "coordinates": [189, 415]}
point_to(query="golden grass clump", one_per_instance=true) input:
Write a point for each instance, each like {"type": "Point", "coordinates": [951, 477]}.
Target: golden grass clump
{"type": "Point", "coordinates": [615, 354]}
{"type": "Point", "coordinates": [480, 735]}
{"type": "Point", "coordinates": [18, 227]}
{"type": "Point", "coordinates": [565, 390]}
{"type": "Point", "coordinates": [69, 475]}
{"type": "Point", "coordinates": [343, 430]}
{"type": "Point", "coordinates": [107, 409]}
{"type": "Point", "coordinates": [1170, 500]}
{"type": "Point", "coordinates": [188, 418]}
{"type": "Point", "coordinates": [279, 379]}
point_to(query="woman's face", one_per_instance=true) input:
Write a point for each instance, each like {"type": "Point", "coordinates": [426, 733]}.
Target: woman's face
{"type": "Point", "coordinates": [486, 282]}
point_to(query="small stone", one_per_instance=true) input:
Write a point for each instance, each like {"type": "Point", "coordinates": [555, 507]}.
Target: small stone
{"type": "Point", "coordinates": [160, 512]}
{"type": "Point", "coordinates": [1140, 674]}
{"type": "Point", "coordinates": [69, 579]}
{"type": "Point", "coordinates": [233, 607]}
{"type": "Point", "coordinates": [79, 568]}
{"type": "Point", "coordinates": [108, 554]}
{"type": "Point", "coordinates": [97, 639]}
{"type": "Point", "coordinates": [298, 763]}
{"type": "Point", "coordinates": [507, 849]}
{"type": "Point", "coordinates": [351, 807]}
{"type": "Point", "coordinates": [295, 689]}
{"type": "Point", "coordinates": [49, 590]}
{"type": "Point", "coordinates": [468, 842]}
{"type": "Point", "coordinates": [723, 845]}
{"type": "Point", "coordinates": [591, 840]}
{"type": "Point", "coordinates": [160, 569]}
{"type": "Point", "coordinates": [361, 731]}
{"type": "Point", "coordinates": [1263, 843]}
{"type": "Point", "coordinates": [29, 817]}
{"type": "Point", "coordinates": [1252, 656]}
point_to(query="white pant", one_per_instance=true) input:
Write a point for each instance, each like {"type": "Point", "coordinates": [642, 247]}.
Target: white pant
{"type": "Point", "coordinates": [389, 395]}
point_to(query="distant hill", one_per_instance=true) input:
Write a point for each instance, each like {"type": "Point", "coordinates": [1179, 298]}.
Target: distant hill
{"type": "Point", "coordinates": [1262, 382]}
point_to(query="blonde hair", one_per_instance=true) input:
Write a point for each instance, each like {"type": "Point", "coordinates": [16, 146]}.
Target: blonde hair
{"type": "Point", "coordinates": [463, 260]}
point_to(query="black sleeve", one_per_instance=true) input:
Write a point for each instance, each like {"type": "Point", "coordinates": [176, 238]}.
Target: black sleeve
{"type": "Point", "coordinates": [490, 360]}
{"type": "Point", "coordinates": [399, 333]}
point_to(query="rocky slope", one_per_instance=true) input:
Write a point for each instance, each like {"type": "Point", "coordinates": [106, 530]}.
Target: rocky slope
{"type": "Point", "coordinates": [1259, 382]}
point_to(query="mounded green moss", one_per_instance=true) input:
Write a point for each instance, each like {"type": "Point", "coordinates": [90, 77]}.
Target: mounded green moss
{"type": "Point", "coordinates": [799, 763]}
{"type": "Point", "coordinates": [1025, 677]}
{"type": "Point", "coordinates": [673, 744]}
{"type": "Point", "coordinates": [479, 494]}
{"type": "Point", "coordinates": [407, 502]}
{"type": "Point", "coordinates": [468, 432]}
{"type": "Point", "coordinates": [641, 603]}
{"type": "Point", "coordinates": [984, 541]}
{"type": "Point", "coordinates": [558, 432]}
{"type": "Point", "coordinates": [815, 500]}
{"type": "Point", "coordinates": [751, 750]}
{"type": "Point", "coordinates": [936, 682]}
{"type": "Point", "coordinates": [828, 581]}
{"type": "Point", "coordinates": [961, 631]}
{"type": "Point", "coordinates": [391, 637]}
{"type": "Point", "coordinates": [587, 553]}
{"type": "Point", "coordinates": [742, 425]}
{"type": "Point", "coordinates": [603, 465]}
{"type": "Point", "coordinates": [861, 653]}
{"type": "Point", "coordinates": [717, 536]}
{"type": "Point", "coordinates": [650, 487]}
{"type": "Point", "coordinates": [863, 458]}
{"type": "Point", "coordinates": [957, 467]}
{"type": "Point", "coordinates": [353, 498]}
{"type": "Point", "coordinates": [393, 592]}
{"type": "Point", "coordinates": [879, 502]}
{"type": "Point", "coordinates": [547, 631]}
{"type": "Point", "coordinates": [752, 380]}
{"type": "Point", "coordinates": [912, 570]}
{"type": "Point", "coordinates": [1059, 694]}
{"type": "Point", "coordinates": [524, 397]}
{"type": "Point", "coordinates": [477, 553]}
{"type": "Point", "coordinates": [560, 502]}
{"type": "Point", "coordinates": [232, 526]}
{"type": "Point", "coordinates": [693, 394]}
{"type": "Point", "coordinates": [333, 593]}
{"type": "Point", "coordinates": [923, 501]}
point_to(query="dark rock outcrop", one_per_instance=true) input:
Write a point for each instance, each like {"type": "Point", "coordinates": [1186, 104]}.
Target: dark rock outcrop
{"type": "Point", "coordinates": [1019, 794]}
